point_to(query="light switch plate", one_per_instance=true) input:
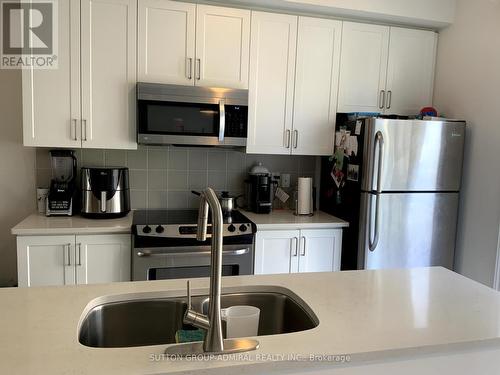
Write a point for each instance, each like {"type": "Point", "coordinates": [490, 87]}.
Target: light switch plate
{"type": "Point", "coordinates": [285, 180]}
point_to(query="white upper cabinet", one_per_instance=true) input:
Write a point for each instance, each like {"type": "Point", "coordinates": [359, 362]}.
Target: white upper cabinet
{"type": "Point", "coordinates": [410, 71]}
{"type": "Point", "coordinates": [386, 69]}
{"type": "Point", "coordinates": [89, 100]}
{"type": "Point", "coordinates": [316, 83]}
{"type": "Point", "coordinates": [166, 42]}
{"type": "Point", "coordinates": [272, 73]}
{"type": "Point", "coordinates": [51, 97]}
{"type": "Point", "coordinates": [363, 67]}
{"type": "Point", "coordinates": [222, 47]}
{"type": "Point", "coordinates": [169, 31]}
{"type": "Point", "coordinates": [108, 73]}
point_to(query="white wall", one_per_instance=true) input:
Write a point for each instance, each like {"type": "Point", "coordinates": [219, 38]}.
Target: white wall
{"type": "Point", "coordinates": [468, 86]}
{"type": "Point", "coordinates": [424, 13]}
{"type": "Point", "coordinates": [17, 172]}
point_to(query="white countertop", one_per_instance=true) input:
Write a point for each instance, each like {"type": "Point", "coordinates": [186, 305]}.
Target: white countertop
{"type": "Point", "coordinates": [369, 315]}
{"type": "Point", "coordinates": [285, 219]}
{"type": "Point", "coordinates": [37, 224]}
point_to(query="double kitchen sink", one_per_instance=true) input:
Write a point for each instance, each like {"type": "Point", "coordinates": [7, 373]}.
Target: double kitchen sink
{"type": "Point", "coordinates": [150, 320]}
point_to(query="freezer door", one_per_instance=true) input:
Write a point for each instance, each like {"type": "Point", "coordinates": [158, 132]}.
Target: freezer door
{"type": "Point", "coordinates": [414, 230]}
{"type": "Point", "coordinates": [416, 155]}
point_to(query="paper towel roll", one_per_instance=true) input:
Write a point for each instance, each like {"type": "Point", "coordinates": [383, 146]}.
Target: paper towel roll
{"type": "Point", "coordinates": [305, 196]}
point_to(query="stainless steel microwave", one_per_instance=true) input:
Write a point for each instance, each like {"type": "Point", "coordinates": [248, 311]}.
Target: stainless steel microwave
{"type": "Point", "coordinates": [190, 115]}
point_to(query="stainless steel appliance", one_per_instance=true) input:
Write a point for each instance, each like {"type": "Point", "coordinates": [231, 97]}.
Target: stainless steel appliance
{"type": "Point", "coordinates": [190, 115]}
{"type": "Point", "coordinates": [105, 192]}
{"type": "Point", "coordinates": [397, 182]}
{"type": "Point", "coordinates": [165, 245]}
{"type": "Point", "coordinates": [61, 199]}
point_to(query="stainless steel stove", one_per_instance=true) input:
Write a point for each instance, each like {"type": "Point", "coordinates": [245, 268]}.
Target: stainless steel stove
{"type": "Point", "coordinates": [165, 245]}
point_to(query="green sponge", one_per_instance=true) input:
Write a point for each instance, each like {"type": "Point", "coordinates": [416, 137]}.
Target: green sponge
{"type": "Point", "coordinates": [189, 335]}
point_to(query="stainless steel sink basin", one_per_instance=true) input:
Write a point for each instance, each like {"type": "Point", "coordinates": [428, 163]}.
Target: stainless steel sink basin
{"type": "Point", "coordinates": [154, 321]}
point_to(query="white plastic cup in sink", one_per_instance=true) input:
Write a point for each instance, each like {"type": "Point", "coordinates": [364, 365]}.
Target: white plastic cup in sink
{"type": "Point", "coordinates": [241, 321]}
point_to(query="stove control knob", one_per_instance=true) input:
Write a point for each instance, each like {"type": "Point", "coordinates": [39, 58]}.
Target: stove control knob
{"type": "Point", "coordinates": [160, 229]}
{"type": "Point", "coordinates": [146, 229]}
{"type": "Point", "coordinates": [243, 228]}
{"type": "Point", "coordinates": [231, 228]}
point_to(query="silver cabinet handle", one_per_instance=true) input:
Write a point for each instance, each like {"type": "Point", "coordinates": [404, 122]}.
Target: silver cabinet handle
{"type": "Point", "coordinates": [303, 253]}
{"type": "Point", "coordinates": [79, 254]}
{"type": "Point", "coordinates": [389, 99]}
{"type": "Point", "coordinates": [372, 244]}
{"type": "Point", "coordinates": [189, 68]}
{"type": "Point", "coordinates": [222, 119]}
{"type": "Point", "coordinates": [294, 246]}
{"type": "Point", "coordinates": [198, 70]}
{"type": "Point", "coordinates": [84, 129]}
{"type": "Point", "coordinates": [72, 130]}
{"type": "Point", "coordinates": [296, 138]}
{"type": "Point", "coordinates": [288, 135]}
{"type": "Point", "coordinates": [68, 254]}
{"type": "Point", "coordinates": [381, 99]}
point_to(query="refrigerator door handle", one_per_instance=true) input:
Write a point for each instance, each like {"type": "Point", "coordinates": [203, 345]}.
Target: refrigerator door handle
{"type": "Point", "coordinates": [372, 244]}
{"type": "Point", "coordinates": [379, 138]}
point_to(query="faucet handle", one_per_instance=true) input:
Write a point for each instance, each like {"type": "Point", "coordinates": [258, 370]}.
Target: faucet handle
{"type": "Point", "coordinates": [189, 294]}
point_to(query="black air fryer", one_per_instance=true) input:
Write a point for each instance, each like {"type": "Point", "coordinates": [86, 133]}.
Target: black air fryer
{"type": "Point", "coordinates": [105, 192]}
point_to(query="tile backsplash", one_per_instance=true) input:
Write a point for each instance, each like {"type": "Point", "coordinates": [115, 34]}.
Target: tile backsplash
{"type": "Point", "coordinates": [163, 177]}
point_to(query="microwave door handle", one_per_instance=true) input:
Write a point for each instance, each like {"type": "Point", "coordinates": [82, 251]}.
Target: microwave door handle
{"type": "Point", "coordinates": [222, 121]}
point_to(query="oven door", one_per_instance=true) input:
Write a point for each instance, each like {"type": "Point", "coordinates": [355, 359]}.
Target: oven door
{"type": "Point", "coordinates": [159, 263]}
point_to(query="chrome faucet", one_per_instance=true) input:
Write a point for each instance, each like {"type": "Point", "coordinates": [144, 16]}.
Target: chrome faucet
{"type": "Point", "coordinates": [214, 342]}
{"type": "Point", "coordinates": [212, 323]}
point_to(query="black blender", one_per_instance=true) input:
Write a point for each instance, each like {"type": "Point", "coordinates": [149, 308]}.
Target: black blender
{"type": "Point", "coordinates": [62, 192]}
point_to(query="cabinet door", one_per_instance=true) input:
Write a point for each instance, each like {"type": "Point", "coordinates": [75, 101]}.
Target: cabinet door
{"type": "Point", "coordinates": [166, 42]}
{"type": "Point", "coordinates": [102, 258]}
{"type": "Point", "coordinates": [410, 72]}
{"type": "Point", "coordinates": [45, 260]}
{"type": "Point", "coordinates": [320, 250]}
{"type": "Point", "coordinates": [51, 97]}
{"type": "Point", "coordinates": [316, 85]}
{"type": "Point", "coordinates": [222, 47]}
{"type": "Point", "coordinates": [363, 67]}
{"type": "Point", "coordinates": [272, 72]}
{"type": "Point", "coordinates": [276, 252]}
{"type": "Point", "coordinates": [108, 73]}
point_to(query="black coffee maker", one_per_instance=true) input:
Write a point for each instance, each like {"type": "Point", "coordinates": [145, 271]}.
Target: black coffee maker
{"type": "Point", "coordinates": [61, 199]}
{"type": "Point", "coordinates": [259, 190]}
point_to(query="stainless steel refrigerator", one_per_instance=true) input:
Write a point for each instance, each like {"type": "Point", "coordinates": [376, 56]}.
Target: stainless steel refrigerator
{"type": "Point", "coordinates": [398, 186]}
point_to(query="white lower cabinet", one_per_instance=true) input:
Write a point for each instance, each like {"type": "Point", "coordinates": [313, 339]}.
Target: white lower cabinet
{"type": "Point", "coordinates": [70, 259]}
{"type": "Point", "coordinates": [292, 251]}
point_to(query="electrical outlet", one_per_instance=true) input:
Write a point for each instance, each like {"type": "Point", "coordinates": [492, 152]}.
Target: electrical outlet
{"type": "Point", "coordinates": [285, 180]}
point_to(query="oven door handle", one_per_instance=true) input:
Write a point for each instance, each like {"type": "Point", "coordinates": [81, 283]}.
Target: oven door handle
{"type": "Point", "coordinates": [191, 253]}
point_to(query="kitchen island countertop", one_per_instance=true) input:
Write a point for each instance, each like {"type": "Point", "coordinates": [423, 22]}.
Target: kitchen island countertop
{"type": "Point", "coordinates": [367, 315]}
